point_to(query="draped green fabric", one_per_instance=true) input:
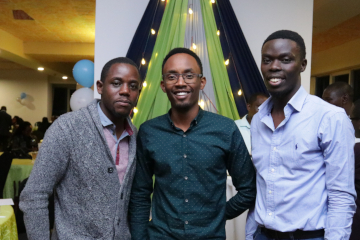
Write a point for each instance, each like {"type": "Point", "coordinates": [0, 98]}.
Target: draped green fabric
{"type": "Point", "coordinates": [222, 90]}
{"type": "Point", "coordinates": [153, 101]}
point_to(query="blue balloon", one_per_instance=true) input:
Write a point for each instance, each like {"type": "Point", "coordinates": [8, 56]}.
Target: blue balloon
{"type": "Point", "coordinates": [22, 95]}
{"type": "Point", "coordinates": [83, 73]}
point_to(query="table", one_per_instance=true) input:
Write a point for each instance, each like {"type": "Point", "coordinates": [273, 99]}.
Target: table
{"type": "Point", "coordinates": [20, 169]}
{"type": "Point", "coordinates": [235, 228]}
{"type": "Point", "coordinates": [8, 229]}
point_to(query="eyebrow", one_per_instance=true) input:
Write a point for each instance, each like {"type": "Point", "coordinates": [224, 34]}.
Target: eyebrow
{"type": "Point", "coordinates": [185, 71]}
{"type": "Point", "coordinates": [285, 54]}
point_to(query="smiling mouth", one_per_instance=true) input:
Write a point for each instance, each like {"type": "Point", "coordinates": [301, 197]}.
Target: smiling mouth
{"type": "Point", "coordinates": [275, 81]}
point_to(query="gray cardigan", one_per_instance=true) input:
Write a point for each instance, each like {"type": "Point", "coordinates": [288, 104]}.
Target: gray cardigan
{"type": "Point", "coordinates": [76, 162]}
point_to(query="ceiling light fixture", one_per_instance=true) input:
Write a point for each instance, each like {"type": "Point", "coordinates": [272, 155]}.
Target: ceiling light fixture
{"type": "Point", "coordinates": [64, 77]}
{"type": "Point", "coordinates": [41, 69]}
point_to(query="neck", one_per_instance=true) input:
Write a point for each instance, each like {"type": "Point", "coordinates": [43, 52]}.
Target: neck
{"type": "Point", "coordinates": [249, 118]}
{"type": "Point", "coordinates": [183, 119]}
{"type": "Point", "coordinates": [119, 122]}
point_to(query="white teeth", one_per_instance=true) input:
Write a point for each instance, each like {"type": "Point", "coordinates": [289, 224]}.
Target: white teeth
{"type": "Point", "coordinates": [181, 93]}
{"type": "Point", "coordinates": [275, 80]}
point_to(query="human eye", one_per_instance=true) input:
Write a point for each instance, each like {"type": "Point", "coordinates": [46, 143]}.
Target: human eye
{"type": "Point", "coordinates": [171, 77]}
{"type": "Point", "coordinates": [116, 83]}
{"type": "Point", "coordinates": [189, 75]}
{"type": "Point", "coordinates": [266, 60]}
{"type": "Point", "coordinates": [286, 60]}
{"type": "Point", "coordinates": [134, 86]}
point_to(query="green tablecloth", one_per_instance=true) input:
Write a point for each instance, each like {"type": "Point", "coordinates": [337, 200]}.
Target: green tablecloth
{"type": "Point", "coordinates": [8, 229]}
{"type": "Point", "coordinates": [19, 170]}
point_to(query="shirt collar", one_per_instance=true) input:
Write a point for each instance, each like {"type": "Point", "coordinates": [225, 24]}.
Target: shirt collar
{"type": "Point", "coordinates": [194, 122]}
{"type": "Point", "coordinates": [297, 102]}
{"type": "Point", "coordinates": [106, 122]}
{"type": "Point", "coordinates": [244, 122]}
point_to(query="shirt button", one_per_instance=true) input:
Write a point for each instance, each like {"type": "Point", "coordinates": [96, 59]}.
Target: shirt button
{"type": "Point", "coordinates": [186, 222]}
{"type": "Point", "coordinates": [184, 135]}
{"type": "Point", "coordinates": [186, 178]}
{"type": "Point", "coordinates": [110, 170]}
{"type": "Point", "coordinates": [273, 170]}
{"type": "Point", "coordinates": [274, 148]}
{"type": "Point", "coordinates": [186, 200]}
{"type": "Point", "coordinates": [270, 213]}
{"type": "Point", "coordinates": [185, 156]}
{"type": "Point", "coordinates": [270, 191]}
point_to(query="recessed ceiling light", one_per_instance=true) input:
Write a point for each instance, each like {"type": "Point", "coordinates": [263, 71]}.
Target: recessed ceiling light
{"type": "Point", "coordinates": [64, 77]}
{"type": "Point", "coordinates": [41, 68]}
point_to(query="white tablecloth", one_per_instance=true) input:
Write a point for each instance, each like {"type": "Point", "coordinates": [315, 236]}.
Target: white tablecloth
{"type": "Point", "coordinates": [235, 228]}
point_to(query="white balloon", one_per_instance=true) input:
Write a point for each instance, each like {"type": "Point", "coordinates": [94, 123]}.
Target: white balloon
{"type": "Point", "coordinates": [81, 98]}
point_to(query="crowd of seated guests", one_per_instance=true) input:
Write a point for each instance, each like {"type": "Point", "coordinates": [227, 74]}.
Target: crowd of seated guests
{"type": "Point", "coordinates": [23, 137]}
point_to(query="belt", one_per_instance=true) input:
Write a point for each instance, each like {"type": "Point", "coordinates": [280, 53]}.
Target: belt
{"type": "Point", "coordinates": [288, 235]}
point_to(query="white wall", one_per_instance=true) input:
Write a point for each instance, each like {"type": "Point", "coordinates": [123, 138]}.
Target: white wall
{"type": "Point", "coordinates": [115, 26]}
{"type": "Point", "coordinates": [117, 20]}
{"type": "Point", "coordinates": [34, 84]}
{"type": "Point", "coordinates": [259, 18]}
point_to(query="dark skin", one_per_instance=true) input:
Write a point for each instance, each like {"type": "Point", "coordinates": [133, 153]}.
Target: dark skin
{"type": "Point", "coordinates": [119, 93]}
{"type": "Point", "coordinates": [355, 120]}
{"type": "Point", "coordinates": [333, 97]}
{"type": "Point", "coordinates": [281, 66]}
{"type": "Point", "coordinates": [184, 108]}
{"type": "Point", "coordinates": [253, 108]}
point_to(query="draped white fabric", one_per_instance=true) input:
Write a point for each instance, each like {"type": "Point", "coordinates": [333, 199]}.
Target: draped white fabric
{"type": "Point", "coordinates": [195, 34]}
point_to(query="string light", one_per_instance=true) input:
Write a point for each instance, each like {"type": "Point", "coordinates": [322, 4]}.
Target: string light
{"type": "Point", "coordinates": [190, 11]}
{"type": "Point", "coordinates": [144, 84]}
{"type": "Point", "coordinates": [227, 62]}
{"type": "Point", "coordinates": [41, 69]}
{"type": "Point", "coordinates": [163, 0]}
{"type": "Point", "coordinates": [135, 110]}
{"type": "Point", "coordinates": [212, 1]}
{"type": "Point", "coordinates": [143, 61]}
{"type": "Point", "coordinates": [194, 46]}
{"type": "Point", "coordinates": [240, 92]}
{"type": "Point", "coordinates": [201, 103]}
{"type": "Point", "coordinates": [153, 31]}
{"type": "Point", "coordinates": [218, 32]}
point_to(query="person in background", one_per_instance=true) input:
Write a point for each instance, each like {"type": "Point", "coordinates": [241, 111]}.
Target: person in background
{"type": "Point", "coordinates": [22, 138]}
{"type": "Point", "coordinates": [188, 150]}
{"type": "Point", "coordinates": [88, 159]}
{"type": "Point", "coordinates": [243, 124]}
{"type": "Point", "coordinates": [303, 151]}
{"type": "Point", "coordinates": [339, 94]}
{"type": "Point", "coordinates": [45, 124]}
{"type": "Point", "coordinates": [355, 119]}
{"type": "Point", "coordinates": [5, 126]}
{"type": "Point", "coordinates": [16, 121]}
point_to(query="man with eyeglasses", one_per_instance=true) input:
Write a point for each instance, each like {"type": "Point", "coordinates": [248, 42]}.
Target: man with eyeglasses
{"type": "Point", "coordinates": [188, 150]}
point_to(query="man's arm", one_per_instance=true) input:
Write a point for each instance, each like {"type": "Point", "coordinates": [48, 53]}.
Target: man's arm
{"type": "Point", "coordinates": [242, 171]}
{"type": "Point", "coordinates": [140, 201]}
{"type": "Point", "coordinates": [50, 166]}
{"type": "Point", "coordinates": [337, 142]}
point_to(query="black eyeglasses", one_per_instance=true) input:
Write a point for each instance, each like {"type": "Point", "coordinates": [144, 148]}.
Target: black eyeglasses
{"type": "Point", "coordinates": [172, 78]}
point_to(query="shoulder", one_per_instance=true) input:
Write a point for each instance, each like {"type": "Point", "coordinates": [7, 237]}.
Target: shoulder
{"type": "Point", "coordinates": [154, 123]}
{"type": "Point", "coordinates": [320, 106]}
{"type": "Point", "coordinates": [209, 116]}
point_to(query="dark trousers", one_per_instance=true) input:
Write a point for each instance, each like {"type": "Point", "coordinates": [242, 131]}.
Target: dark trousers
{"type": "Point", "coordinates": [4, 141]}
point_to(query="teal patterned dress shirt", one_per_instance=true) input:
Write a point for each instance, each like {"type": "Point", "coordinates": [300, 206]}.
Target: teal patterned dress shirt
{"type": "Point", "coordinates": [189, 194]}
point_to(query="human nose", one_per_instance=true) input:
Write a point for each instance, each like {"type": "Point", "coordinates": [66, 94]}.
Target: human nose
{"type": "Point", "coordinates": [275, 65]}
{"type": "Point", "coordinates": [181, 80]}
{"type": "Point", "coordinates": [124, 89]}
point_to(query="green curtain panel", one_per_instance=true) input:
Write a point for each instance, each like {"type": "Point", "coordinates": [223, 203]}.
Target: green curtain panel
{"type": "Point", "coordinates": [153, 102]}
{"type": "Point", "coordinates": [223, 95]}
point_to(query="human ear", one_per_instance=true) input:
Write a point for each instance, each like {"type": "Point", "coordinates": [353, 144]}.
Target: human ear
{"type": "Point", "coordinates": [203, 83]}
{"type": "Point", "coordinates": [99, 86]}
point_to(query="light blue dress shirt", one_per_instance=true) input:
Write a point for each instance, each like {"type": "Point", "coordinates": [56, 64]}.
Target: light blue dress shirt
{"type": "Point", "coordinates": [305, 168]}
{"type": "Point", "coordinates": [244, 128]}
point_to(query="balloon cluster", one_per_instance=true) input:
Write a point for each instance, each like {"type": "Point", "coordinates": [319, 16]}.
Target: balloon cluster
{"type": "Point", "coordinates": [83, 73]}
{"type": "Point", "coordinates": [22, 98]}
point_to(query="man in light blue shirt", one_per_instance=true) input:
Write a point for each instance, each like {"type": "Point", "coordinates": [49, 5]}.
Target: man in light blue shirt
{"type": "Point", "coordinates": [302, 149]}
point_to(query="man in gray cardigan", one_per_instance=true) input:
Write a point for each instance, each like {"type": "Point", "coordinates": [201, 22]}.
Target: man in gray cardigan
{"type": "Point", "coordinates": [87, 158]}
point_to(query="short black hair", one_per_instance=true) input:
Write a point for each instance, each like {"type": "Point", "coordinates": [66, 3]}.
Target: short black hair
{"type": "Point", "coordinates": [108, 65]}
{"type": "Point", "coordinates": [341, 89]}
{"type": "Point", "coordinates": [356, 109]}
{"type": "Point", "coordinates": [3, 108]}
{"type": "Point", "coordinates": [287, 34]}
{"type": "Point", "coordinates": [183, 50]}
{"type": "Point", "coordinates": [254, 97]}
